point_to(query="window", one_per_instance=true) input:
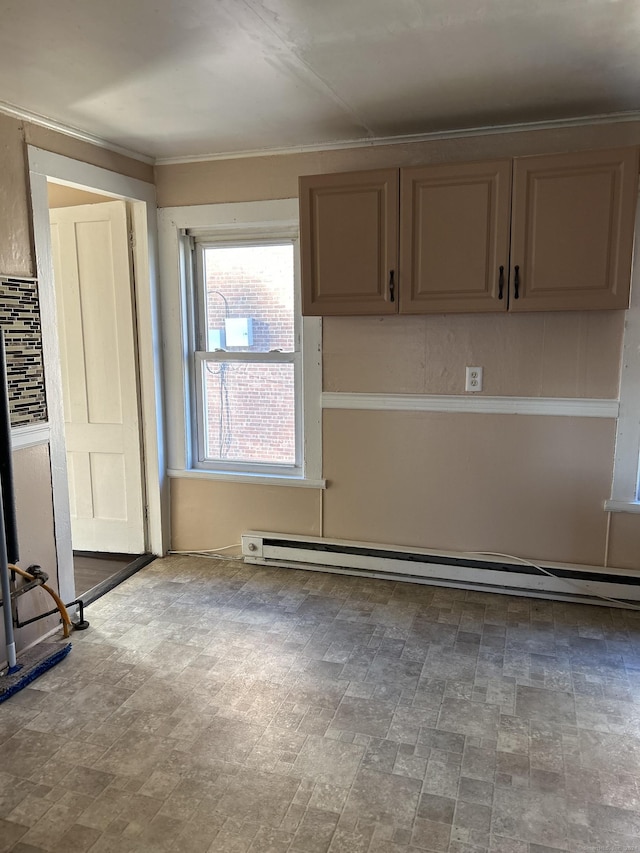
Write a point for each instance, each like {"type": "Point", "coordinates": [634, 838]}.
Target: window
{"type": "Point", "coordinates": [247, 355]}
{"type": "Point", "coordinates": [243, 373]}
{"type": "Point", "coordinates": [625, 490]}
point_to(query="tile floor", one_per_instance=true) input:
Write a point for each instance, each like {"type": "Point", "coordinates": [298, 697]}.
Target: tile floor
{"type": "Point", "coordinates": [232, 709]}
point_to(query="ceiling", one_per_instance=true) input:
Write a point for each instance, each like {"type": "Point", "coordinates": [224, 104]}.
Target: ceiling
{"type": "Point", "coordinates": [179, 78]}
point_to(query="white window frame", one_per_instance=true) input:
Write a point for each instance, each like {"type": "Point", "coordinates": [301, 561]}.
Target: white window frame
{"type": "Point", "coordinates": [234, 221]}
{"type": "Point", "coordinates": [625, 487]}
{"type": "Point", "coordinates": [200, 357]}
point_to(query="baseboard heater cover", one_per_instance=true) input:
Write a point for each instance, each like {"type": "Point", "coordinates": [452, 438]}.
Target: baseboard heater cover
{"type": "Point", "coordinates": [463, 571]}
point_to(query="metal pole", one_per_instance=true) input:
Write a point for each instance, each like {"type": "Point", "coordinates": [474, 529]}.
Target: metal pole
{"type": "Point", "coordinates": [6, 461]}
{"type": "Point", "coordinates": [6, 595]}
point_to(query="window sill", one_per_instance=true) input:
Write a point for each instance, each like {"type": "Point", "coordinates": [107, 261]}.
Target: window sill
{"type": "Point", "coordinates": [249, 479]}
{"type": "Point", "coordinates": [622, 506]}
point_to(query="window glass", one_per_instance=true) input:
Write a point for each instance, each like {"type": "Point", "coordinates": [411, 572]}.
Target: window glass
{"type": "Point", "coordinates": [249, 296]}
{"type": "Point", "coordinates": [250, 412]}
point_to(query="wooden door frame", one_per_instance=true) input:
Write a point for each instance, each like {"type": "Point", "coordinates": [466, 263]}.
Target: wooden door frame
{"type": "Point", "coordinates": [44, 166]}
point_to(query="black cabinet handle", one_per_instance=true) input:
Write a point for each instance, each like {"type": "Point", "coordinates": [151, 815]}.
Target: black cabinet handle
{"type": "Point", "coordinates": [501, 283]}
{"type": "Point", "coordinates": [516, 283]}
{"type": "Point", "coordinates": [392, 287]}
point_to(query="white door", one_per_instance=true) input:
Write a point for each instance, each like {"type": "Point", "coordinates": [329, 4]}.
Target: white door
{"type": "Point", "coordinates": [98, 359]}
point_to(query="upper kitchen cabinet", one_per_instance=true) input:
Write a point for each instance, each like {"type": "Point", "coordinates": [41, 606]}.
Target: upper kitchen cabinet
{"type": "Point", "coordinates": [349, 243]}
{"type": "Point", "coordinates": [454, 237]}
{"type": "Point", "coordinates": [544, 233]}
{"type": "Point", "coordinates": [572, 225]}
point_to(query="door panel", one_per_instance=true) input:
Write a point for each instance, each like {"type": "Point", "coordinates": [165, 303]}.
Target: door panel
{"type": "Point", "coordinates": [349, 242]}
{"type": "Point", "coordinates": [96, 332]}
{"type": "Point", "coordinates": [572, 230]}
{"type": "Point", "coordinates": [454, 237]}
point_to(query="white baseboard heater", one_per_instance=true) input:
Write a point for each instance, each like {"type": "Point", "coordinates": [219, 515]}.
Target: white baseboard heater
{"type": "Point", "coordinates": [567, 582]}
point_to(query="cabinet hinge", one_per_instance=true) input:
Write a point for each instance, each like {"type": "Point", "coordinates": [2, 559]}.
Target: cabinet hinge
{"type": "Point", "coordinates": [132, 239]}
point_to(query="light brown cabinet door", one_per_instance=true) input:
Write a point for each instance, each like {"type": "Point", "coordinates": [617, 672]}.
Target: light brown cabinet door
{"type": "Point", "coordinates": [572, 230]}
{"type": "Point", "coordinates": [454, 237]}
{"type": "Point", "coordinates": [349, 243]}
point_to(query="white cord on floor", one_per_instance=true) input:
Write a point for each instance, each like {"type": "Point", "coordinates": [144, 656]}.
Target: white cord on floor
{"type": "Point", "coordinates": [544, 571]}
{"type": "Point", "coordinates": [212, 553]}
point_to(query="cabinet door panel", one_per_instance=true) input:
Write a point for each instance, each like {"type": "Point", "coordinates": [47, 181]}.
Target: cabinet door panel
{"type": "Point", "coordinates": [572, 230]}
{"type": "Point", "coordinates": [454, 237]}
{"type": "Point", "coordinates": [349, 242]}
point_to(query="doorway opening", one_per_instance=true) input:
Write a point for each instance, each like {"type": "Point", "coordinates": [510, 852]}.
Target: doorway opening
{"type": "Point", "coordinates": [102, 353]}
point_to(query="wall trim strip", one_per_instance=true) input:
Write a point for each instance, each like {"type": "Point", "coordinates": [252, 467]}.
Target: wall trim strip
{"type": "Point", "coordinates": [74, 132]}
{"type": "Point", "coordinates": [30, 435]}
{"type": "Point", "coordinates": [368, 142]}
{"type": "Point", "coordinates": [567, 406]}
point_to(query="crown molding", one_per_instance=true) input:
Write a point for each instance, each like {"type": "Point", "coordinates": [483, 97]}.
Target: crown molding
{"type": "Point", "coordinates": [338, 145]}
{"type": "Point", "coordinates": [67, 130]}
{"type": "Point", "coordinates": [486, 130]}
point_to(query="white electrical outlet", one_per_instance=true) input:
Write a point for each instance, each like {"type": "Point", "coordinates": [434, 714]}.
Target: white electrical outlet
{"type": "Point", "coordinates": [473, 379]}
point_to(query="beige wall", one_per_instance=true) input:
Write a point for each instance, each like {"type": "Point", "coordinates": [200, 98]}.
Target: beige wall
{"type": "Point", "coordinates": [255, 178]}
{"type": "Point", "coordinates": [31, 466]}
{"type": "Point", "coordinates": [209, 513]}
{"type": "Point", "coordinates": [564, 354]}
{"type": "Point", "coordinates": [533, 486]}
{"type": "Point", "coordinates": [49, 140]}
{"type": "Point", "coordinates": [34, 510]}
{"type": "Point", "coordinates": [15, 217]}
{"type": "Point", "coordinates": [624, 542]}
{"type": "Point", "coordinates": [61, 196]}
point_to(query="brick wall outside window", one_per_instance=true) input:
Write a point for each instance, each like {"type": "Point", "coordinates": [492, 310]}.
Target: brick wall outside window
{"type": "Point", "coordinates": [250, 407]}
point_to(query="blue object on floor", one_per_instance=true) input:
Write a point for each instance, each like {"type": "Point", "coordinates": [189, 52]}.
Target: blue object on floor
{"type": "Point", "coordinates": [33, 663]}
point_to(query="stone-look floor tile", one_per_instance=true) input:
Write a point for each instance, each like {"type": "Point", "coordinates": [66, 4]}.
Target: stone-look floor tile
{"type": "Point", "coordinates": [383, 797]}
{"type": "Point", "coordinates": [551, 706]}
{"type": "Point", "coordinates": [609, 819]}
{"type": "Point", "coordinates": [380, 755]}
{"type": "Point", "coordinates": [612, 752]}
{"type": "Point", "coordinates": [409, 764]}
{"type": "Point", "coordinates": [357, 841]}
{"type": "Point", "coordinates": [512, 769]}
{"type": "Point", "coordinates": [428, 835]}
{"type": "Point", "coordinates": [469, 718]}
{"type": "Point", "coordinates": [232, 708]}
{"type": "Point", "coordinates": [10, 834]}
{"type": "Point", "coordinates": [332, 762]}
{"type": "Point", "coordinates": [473, 816]}
{"type": "Point", "coordinates": [29, 811]}
{"type": "Point", "coordinates": [262, 797]}
{"type": "Point", "coordinates": [536, 817]}
{"type": "Point", "coordinates": [479, 763]}
{"type": "Point", "coordinates": [498, 844]}
{"type": "Point", "coordinates": [26, 751]}
{"type": "Point", "coordinates": [476, 791]}
{"type": "Point", "coordinates": [328, 798]}
{"type": "Point", "coordinates": [24, 848]}
{"type": "Point", "coordinates": [434, 808]}
{"type": "Point", "coordinates": [78, 839]}
{"type": "Point", "coordinates": [443, 774]}
{"type": "Point", "coordinates": [85, 780]}
{"type": "Point", "coordinates": [444, 741]}
{"type": "Point", "coordinates": [315, 832]}
{"type": "Point", "coordinates": [364, 716]}
{"type": "Point", "coordinates": [538, 848]}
